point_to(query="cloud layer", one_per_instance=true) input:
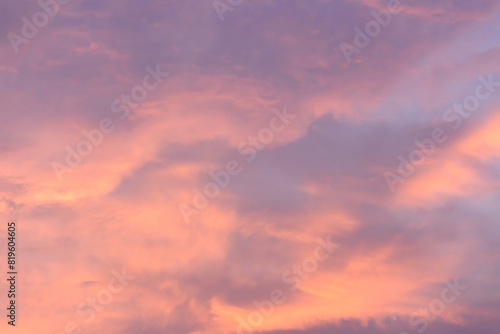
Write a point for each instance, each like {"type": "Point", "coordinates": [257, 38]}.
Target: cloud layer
{"type": "Point", "coordinates": [305, 182]}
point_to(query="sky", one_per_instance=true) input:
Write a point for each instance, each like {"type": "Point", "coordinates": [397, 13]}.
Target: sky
{"type": "Point", "coordinates": [238, 166]}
